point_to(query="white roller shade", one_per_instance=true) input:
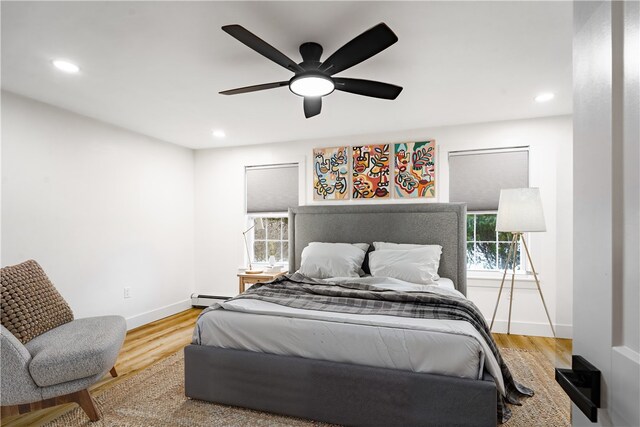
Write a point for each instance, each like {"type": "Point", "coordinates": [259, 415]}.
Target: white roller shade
{"type": "Point", "coordinates": [271, 188]}
{"type": "Point", "coordinates": [476, 177]}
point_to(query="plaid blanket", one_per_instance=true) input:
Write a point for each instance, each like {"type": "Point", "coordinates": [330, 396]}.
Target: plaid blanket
{"type": "Point", "coordinates": [298, 291]}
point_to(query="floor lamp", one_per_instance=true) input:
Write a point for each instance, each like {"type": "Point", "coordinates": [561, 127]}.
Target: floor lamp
{"type": "Point", "coordinates": [519, 211]}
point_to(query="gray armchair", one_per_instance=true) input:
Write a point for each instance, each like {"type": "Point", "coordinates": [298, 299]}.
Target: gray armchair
{"type": "Point", "coordinates": [56, 366]}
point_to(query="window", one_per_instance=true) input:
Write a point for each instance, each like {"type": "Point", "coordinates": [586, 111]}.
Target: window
{"type": "Point", "coordinates": [272, 240]}
{"type": "Point", "coordinates": [488, 249]}
{"type": "Point", "coordinates": [476, 178]}
{"type": "Point", "coordinates": [270, 191]}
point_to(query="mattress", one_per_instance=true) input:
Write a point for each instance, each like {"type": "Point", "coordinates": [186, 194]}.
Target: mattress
{"type": "Point", "coordinates": [445, 347]}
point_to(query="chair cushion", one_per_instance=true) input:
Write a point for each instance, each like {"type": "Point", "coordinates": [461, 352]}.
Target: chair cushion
{"type": "Point", "coordinates": [31, 305]}
{"type": "Point", "coordinates": [75, 350]}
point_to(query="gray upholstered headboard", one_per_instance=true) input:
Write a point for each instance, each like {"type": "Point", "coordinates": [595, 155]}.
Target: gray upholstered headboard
{"type": "Point", "coordinates": [426, 223]}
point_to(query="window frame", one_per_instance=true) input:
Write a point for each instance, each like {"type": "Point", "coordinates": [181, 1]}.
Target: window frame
{"type": "Point", "coordinates": [521, 268]}
{"type": "Point", "coordinates": [249, 218]}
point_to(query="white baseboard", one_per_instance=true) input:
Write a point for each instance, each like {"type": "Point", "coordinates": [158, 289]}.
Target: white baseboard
{"type": "Point", "coordinates": [533, 329]}
{"type": "Point", "coordinates": [158, 313]}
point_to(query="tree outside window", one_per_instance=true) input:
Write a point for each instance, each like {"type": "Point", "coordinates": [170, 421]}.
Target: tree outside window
{"type": "Point", "coordinates": [488, 249]}
{"type": "Point", "coordinates": [273, 240]}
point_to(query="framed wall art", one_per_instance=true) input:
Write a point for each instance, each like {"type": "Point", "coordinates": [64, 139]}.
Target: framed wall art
{"type": "Point", "coordinates": [414, 169]}
{"type": "Point", "coordinates": [331, 173]}
{"type": "Point", "coordinates": [370, 171]}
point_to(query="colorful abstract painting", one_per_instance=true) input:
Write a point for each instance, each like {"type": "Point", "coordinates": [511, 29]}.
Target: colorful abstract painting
{"type": "Point", "coordinates": [370, 171]}
{"type": "Point", "coordinates": [415, 169]}
{"type": "Point", "coordinates": [331, 173]}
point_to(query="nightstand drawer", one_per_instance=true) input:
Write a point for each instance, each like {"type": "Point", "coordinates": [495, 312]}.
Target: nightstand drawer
{"type": "Point", "coordinates": [251, 279]}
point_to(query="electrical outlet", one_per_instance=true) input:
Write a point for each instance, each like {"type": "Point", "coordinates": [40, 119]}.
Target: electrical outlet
{"type": "Point", "coordinates": [127, 292]}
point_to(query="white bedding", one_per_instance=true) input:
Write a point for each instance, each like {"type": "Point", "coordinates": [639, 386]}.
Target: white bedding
{"type": "Point", "coordinates": [399, 285]}
{"type": "Point", "coordinates": [445, 347]}
{"type": "Point", "coordinates": [445, 283]}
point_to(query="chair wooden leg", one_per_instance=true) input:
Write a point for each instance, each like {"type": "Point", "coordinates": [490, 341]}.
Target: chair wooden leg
{"type": "Point", "coordinates": [113, 372]}
{"type": "Point", "coordinates": [87, 404]}
{"type": "Point", "coordinates": [82, 398]}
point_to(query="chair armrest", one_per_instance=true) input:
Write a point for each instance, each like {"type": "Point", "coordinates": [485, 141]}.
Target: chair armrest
{"type": "Point", "coordinates": [16, 386]}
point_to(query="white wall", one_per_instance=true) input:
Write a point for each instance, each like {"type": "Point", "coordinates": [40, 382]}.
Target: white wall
{"type": "Point", "coordinates": [100, 208]}
{"type": "Point", "coordinates": [219, 213]}
{"type": "Point", "coordinates": [606, 76]}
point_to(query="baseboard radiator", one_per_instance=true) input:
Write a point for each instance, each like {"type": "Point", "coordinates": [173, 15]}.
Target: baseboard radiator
{"type": "Point", "coordinates": [198, 300]}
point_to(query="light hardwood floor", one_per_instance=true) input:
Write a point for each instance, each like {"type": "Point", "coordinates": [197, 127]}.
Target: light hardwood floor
{"type": "Point", "coordinates": [147, 344]}
{"type": "Point", "coordinates": [557, 350]}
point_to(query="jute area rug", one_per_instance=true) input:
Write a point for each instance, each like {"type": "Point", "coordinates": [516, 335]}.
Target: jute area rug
{"type": "Point", "coordinates": [155, 397]}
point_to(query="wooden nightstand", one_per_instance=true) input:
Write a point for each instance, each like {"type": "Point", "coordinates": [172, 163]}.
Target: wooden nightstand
{"type": "Point", "coordinates": [250, 279]}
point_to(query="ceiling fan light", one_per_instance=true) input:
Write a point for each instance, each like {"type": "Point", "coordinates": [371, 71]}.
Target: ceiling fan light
{"type": "Point", "coordinates": [312, 86]}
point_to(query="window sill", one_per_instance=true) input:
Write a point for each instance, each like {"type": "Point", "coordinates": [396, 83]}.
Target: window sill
{"type": "Point", "coordinates": [497, 275]}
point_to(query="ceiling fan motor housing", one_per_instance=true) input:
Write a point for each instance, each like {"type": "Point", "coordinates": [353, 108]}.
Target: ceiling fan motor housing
{"type": "Point", "coordinates": [311, 53]}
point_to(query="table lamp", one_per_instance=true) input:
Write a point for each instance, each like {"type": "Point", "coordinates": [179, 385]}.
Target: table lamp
{"type": "Point", "coordinates": [519, 211]}
{"type": "Point", "coordinates": [258, 225]}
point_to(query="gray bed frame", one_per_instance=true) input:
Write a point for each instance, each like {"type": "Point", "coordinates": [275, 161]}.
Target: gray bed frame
{"type": "Point", "coordinates": [342, 393]}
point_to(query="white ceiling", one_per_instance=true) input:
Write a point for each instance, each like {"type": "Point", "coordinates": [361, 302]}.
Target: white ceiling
{"type": "Point", "coordinates": [157, 67]}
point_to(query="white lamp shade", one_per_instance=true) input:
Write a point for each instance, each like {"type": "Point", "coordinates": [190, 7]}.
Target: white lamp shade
{"type": "Point", "coordinates": [520, 210]}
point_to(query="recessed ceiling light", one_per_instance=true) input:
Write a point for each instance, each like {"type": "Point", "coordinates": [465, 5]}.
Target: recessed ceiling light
{"type": "Point", "coordinates": [66, 66]}
{"type": "Point", "coordinates": [544, 97]}
{"type": "Point", "coordinates": [219, 133]}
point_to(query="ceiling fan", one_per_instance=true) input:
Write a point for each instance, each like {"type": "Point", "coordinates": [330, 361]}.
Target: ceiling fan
{"type": "Point", "coordinates": [313, 78]}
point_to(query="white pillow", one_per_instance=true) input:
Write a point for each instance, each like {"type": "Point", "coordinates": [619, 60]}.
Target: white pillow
{"type": "Point", "coordinates": [324, 260]}
{"type": "Point", "coordinates": [398, 246]}
{"type": "Point", "coordinates": [405, 246]}
{"type": "Point", "coordinates": [419, 265]}
{"type": "Point", "coordinates": [363, 246]}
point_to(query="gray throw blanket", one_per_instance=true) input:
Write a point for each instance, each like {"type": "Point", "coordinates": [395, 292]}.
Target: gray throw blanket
{"type": "Point", "coordinates": [298, 291]}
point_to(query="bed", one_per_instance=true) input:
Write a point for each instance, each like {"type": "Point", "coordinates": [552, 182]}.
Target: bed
{"type": "Point", "coordinates": [346, 371]}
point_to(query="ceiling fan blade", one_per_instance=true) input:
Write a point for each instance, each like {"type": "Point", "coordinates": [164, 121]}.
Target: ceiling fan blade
{"type": "Point", "coordinates": [312, 106]}
{"type": "Point", "coordinates": [254, 88]}
{"type": "Point", "coordinates": [367, 88]}
{"type": "Point", "coordinates": [262, 47]}
{"type": "Point", "coordinates": [366, 45]}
